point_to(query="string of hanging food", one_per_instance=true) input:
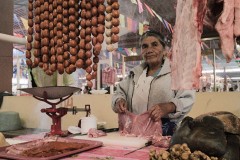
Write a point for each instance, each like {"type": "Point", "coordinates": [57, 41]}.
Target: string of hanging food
{"type": "Point", "coordinates": [64, 35]}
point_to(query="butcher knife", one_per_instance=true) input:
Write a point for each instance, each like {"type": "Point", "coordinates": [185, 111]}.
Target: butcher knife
{"type": "Point", "coordinates": [149, 143]}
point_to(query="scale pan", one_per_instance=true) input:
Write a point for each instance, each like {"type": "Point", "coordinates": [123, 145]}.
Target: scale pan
{"type": "Point", "coordinates": [51, 92]}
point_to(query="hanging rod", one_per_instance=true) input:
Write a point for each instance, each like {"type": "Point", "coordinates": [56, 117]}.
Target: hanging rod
{"type": "Point", "coordinates": [210, 38]}
{"type": "Point", "coordinates": [12, 39]}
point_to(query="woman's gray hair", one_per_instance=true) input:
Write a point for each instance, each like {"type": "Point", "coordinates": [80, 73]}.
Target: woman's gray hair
{"type": "Point", "coordinates": [156, 34]}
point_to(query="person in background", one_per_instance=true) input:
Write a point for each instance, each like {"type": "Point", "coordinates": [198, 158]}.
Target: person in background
{"type": "Point", "coordinates": [134, 51]}
{"type": "Point", "coordinates": [233, 88]}
{"type": "Point", "coordinates": [148, 87]}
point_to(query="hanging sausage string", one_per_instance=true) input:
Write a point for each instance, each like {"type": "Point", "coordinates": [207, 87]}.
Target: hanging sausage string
{"type": "Point", "coordinates": [64, 35]}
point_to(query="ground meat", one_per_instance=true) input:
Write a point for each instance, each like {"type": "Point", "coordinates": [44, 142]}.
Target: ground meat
{"type": "Point", "coordinates": [53, 148]}
{"type": "Point", "coordinates": [46, 147]}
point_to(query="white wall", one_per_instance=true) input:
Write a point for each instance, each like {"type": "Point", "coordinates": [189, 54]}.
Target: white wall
{"type": "Point", "coordinates": [216, 101]}
{"type": "Point", "coordinates": [29, 108]}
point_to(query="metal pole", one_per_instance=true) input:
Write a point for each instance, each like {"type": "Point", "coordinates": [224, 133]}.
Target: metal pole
{"type": "Point", "coordinates": [123, 66]}
{"type": "Point", "coordinates": [18, 76]}
{"type": "Point", "coordinates": [111, 64]}
{"type": "Point", "coordinates": [238, 85]}
{"type": "Point", "coordinates": [225, 79]}
{"type": "Point", "coordinates": [98, 75]}
{"type": "Point", "coordinates": [210, 38]}
{"type": "Point", "coordinates": [214, 70]}
{"type": "Point", "coordinates": [12, 39]}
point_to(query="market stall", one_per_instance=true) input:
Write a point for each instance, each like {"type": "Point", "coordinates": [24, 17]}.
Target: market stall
{"type": "Point", "coordinates": [75, 48]}
{"type": "Point", "coordinates": [39, 124]}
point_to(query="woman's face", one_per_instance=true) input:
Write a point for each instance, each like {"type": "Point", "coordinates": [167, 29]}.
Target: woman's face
{"type": "Point", "coordinates": [152, 51]}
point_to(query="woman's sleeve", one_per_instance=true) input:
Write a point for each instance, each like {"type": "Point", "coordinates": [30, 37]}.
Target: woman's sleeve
{"type": "Point", "coordinates": [121, 92]}
{"type": "Point", "coordinates": [183, 100]}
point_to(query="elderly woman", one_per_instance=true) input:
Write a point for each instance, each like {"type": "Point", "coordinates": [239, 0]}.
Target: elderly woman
{"type": "Point", "coordinates": [148, 87]}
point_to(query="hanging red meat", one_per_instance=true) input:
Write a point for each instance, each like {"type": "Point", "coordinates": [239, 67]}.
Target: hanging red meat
{"type": "Point", "coordinates": [224, 26]}
{"type": "Point", "coordinates": [236, 26]}
{"type": "Point", "coordinates": [186, 49]}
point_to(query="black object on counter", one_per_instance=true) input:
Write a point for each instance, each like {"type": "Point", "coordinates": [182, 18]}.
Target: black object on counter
{"type": "Point", "coordinates": [110, 130]}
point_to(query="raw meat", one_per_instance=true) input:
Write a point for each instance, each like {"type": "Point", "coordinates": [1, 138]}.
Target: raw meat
{"type": "Point", "coordinates": [236, 26]}
{"type": "Point", "coordinates": [125, 122]}
{"type": "Point", "coordinates": [224, 27]}
{"type": "Point", "coordinates": [162, 141]}
{"type": "Point", "coordinates": [20, 148]}
{"type": "Point", "coordinates": [53, 148]}
{"type": "Point", "coordinates": [142, 126]}
{"type": "Point", "coordinates": [44, 147]}
{"type": "Point", "coordinates": [138, 125]}
{"type": "Point", "coordinates": [186, 48]}
{"type": "Point", "coordinates": [94, 133]}
{"type": "Point", "coordinates": [224, 15]}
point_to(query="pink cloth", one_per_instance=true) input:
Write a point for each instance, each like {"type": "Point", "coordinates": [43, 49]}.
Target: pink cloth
{"type": "Point", "coordinates": [114, 152]}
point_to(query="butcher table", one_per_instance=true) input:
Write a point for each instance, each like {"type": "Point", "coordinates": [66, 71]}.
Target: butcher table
{"type": "Point", "coordinates": [114, 147]}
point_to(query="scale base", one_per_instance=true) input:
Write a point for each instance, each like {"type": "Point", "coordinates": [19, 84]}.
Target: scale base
{"type": "Point", "coordinates": [57, 133]}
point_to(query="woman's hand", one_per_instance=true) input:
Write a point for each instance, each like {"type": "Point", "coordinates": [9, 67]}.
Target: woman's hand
{"type": "Point", "coordinates": [121, 106]}
{"type": "Point", "coordinates": [161, 110]}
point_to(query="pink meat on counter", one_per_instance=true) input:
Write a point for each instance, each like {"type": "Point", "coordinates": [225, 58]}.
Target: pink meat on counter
{"type": "Point", "coordinates": [18, 149]}
{"type": "Point", "coordinates": [236, 26]}
{"type": "Point", "coordinates": [94, 133]}
{"type": "Point", "coordinates": [138, 125]}
{"type": "Point", "coordinates": [162, 141]}
{"type": "Point", "coordinates": [142, 126]}
{"type": "Point", "coordinates": [125, 122]}
{"type": "Point", "coordinates": [186, 48]}
{"type": "Point", "coordinates": [224, 27]}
